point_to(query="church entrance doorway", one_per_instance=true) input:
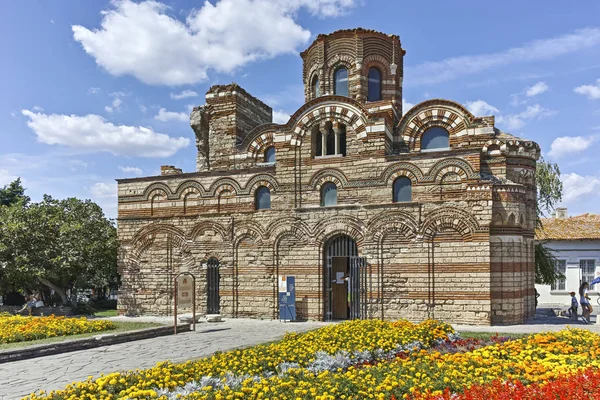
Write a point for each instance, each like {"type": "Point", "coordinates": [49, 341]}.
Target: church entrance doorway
{"type": "Point", "coordinates": [344, 279]}
{"type": "Point", "coordinates": [212, 281]}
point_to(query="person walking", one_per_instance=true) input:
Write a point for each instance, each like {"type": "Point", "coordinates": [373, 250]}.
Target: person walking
{"type": "Point", "coordinates": [584, 300]}
{"type": "Point", "coordinates": [574, 305]}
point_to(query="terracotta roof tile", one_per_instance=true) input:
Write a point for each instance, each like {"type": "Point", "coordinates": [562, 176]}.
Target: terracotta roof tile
{"type": "Point", "coordinates": [581, 227]}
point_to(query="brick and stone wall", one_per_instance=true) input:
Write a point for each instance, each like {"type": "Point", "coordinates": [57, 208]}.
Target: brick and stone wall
{"type": "Point", "coordinates": [461, 250]}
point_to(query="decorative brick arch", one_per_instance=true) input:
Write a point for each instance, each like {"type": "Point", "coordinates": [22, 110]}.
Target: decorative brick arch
{"type": "Point", "coordinates": [454, 164]}
{"type": "Point", "coordinates": [260, 143]}
{"type": "Point", "coordinates": [154, 196]}
{"type": "Point", "coordinates": [225, 187]}
{"type": "Point", "coordinates": [248, 229]}
{"type": "Point", "coordinates": [291, 226]}
{"type": "Point", "coordinates": [261, 180]}
{"type": "Point", "coordinates": [224, 182]}
{"type": "Point", "coordinates": [494, 142]}
{"type": "Point", "coordinates": [438, 112]}
{"type": "Point", "coordinates": [402, 169]}
{"type": "Point", "coordinates": [330, 227]}
{"type": "Point", "coordinates": [328, 175]}
{"type": "Point", "coordinates": [157, 186]}
{"type": "Point", "coordinates": [204, 226]}
{"type": "Point", "coordinates": [145, 237]}
{"type": "Point", "coordinates": [449, 218]}
{"type": "Point", "coordinates": [353, 117]}
{"type": "Point", "coordinates": [378, 62]}
{"type": "Point", "coordinates": [190, 186]}
{"type": "Point", "coordinates": [398, 221]}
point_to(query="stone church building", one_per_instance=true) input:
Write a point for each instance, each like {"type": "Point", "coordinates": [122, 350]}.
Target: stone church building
{"type": "Point", "coordinates": [378, 212]}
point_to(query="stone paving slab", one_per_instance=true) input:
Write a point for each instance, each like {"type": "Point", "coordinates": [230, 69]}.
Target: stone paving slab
{"type": "Point", "coordinates": [20, 378]}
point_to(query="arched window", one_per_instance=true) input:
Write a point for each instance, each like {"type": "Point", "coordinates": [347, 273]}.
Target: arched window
{"type": "Point", "coordinates": [270, 154]}
{"type": "Point", "coordinates": [341, 82]}
{"type": "Point", "coordinates": [262, 198]}
{"type": "Point", "coordinates": [316, 91]}
{"type": "Point", "coordinates": [328, 194]}
{"type": "Point", "coordinates": [402, 190]}
{"type": "Point", "coordinates": [435, 138]}
{"type": "Point", "coordinates": [374, 91]}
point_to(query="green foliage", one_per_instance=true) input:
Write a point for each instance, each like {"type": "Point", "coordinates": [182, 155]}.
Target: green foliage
{"type": "Point", "coordinates": [62, 244]}
{"type": "Point", "coordinates": [545, 272]}
{"type": "Point", "coordinates": [549, 187]}
{"type": "Point", "coordinates": [13, 193]}
{"type": "Point", "coordinates": [549, 193]}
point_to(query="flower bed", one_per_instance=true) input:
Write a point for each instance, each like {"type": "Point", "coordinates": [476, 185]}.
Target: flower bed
{"type": "Point", "coordinates": [15, 328]}
{"type": "Point", "coordinates": [359, 360]}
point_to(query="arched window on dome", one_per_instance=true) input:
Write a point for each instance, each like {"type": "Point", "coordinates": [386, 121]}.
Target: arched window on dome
{"type": "Point", "coordinates": [262, 198]}
{"type": "Point", "coordinates": [316, 91]}
{"type": "Point", "coordinates": [374, 88]}
{"type": "Point", "coordinates": [402, 190]}
{"type": "Point", "coordinates": [341, 81]}
{"type": "Point", "coordinates": [328, 195]}
{"type": "Point", "coordinates": [435, 138]}
{"type": "Point", "coordinates": [270, 155]}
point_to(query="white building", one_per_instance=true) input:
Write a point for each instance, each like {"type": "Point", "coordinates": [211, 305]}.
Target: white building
{"type": "Point", "coordinates": [575, 242]}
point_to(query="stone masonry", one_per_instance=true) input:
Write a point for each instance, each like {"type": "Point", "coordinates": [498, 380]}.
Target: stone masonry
{"type": "Point", "coordinates": [460, 250]}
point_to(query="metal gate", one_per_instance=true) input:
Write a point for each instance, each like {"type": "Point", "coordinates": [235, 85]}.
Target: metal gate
{"type": "Point", "coordinates": [355, 276]}
{"type": "Point", "coordinates": [212, 281]}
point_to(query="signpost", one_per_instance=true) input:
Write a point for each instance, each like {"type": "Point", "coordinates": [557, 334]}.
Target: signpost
{"type": "Point", "coordinates": [287, 298]}
{"type": "Point", "coordinates": [185, 295]}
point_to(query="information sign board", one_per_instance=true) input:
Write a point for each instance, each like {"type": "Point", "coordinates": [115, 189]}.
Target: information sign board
{"type": "Point", "coordinates": [287, 298]}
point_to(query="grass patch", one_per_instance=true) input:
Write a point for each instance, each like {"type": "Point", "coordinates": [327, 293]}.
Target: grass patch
{"type": "Point", "coordinates": [488, 335]}
{"type": "Point", "coordinates": [106, 313]}
{"type": "Point", "coordinates": [121, 327]}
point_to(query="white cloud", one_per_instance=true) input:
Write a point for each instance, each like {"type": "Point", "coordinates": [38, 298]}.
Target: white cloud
{"type": "Point", "coordinates": [164, 115]}
{"type": "Point", "coordinates": [93, 90]}
{"type": "Point", "coordinates": [538, 88]}
{"type": "Point", "coordinates": [13, 114]}
{"type": "Point", "coordinates": [104, 190]}
{"type": "Point", "coordinates": [146, 41]}
{"type": "Point", "coordinates": [565, 145]}
{"type": "Point", "coordinates": [576, 186]}
{"type": "Point", "coordinates": [37, 109]}
{"type": "Point", "coordinates": [279, 117]}
{"type": "Point", "coordinates": [77, 164]}
{"type": "Point", "coordinates": [517, 121]}
{"type": "Point", "coordinates": [481, 108]}
{"type": "Point", "coordinates": [406, 106]}
{"type": "Point", "coordinates": [6, 177]}
{"type": "Point", "coordinates": [184, 94]}
{"type": "Point", "coordinates": [591, 91]}
{"type": "Point", "coordinates": [134, 170]}
{"type": "Point", "coordinates": [119, 93]}
{"type": "Point", "coordinates": [92, 133]}
{"type": "Point", "coordinates": [115, 105]}
{"type": "Point", "coordinates": [538, 50]}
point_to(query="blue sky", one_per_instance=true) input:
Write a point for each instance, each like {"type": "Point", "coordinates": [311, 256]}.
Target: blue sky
{"type": "Point", "coordinates": [93, 91]}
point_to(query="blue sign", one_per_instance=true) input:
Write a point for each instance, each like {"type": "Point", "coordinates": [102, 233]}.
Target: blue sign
{"type": "Point", "coordinates": [287, 298]}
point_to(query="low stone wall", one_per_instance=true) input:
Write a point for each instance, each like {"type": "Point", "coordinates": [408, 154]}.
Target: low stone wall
{"type": "Point", "coordinates": [38, 311]}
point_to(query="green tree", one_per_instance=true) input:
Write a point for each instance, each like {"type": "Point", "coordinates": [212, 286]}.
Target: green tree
{"type": "Point", "coordinates": [549, 193]}
{"type": "Point", "coordinates": [61, 244]}
{"type": "Point", "coordinates": [13, 193]}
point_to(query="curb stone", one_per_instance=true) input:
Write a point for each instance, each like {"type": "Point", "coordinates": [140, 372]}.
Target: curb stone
{"type": "Point", "coordinates": [105, 339]}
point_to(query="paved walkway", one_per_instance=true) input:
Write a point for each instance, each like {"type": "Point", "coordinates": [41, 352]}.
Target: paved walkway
{"type": "Point", "coordinates": [21, 378]}
{"type": "Point", "coordinates": [533, 326]}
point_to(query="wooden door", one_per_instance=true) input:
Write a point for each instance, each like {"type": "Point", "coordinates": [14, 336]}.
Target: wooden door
{"type": "Point", "coordinates": [339, 287]}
